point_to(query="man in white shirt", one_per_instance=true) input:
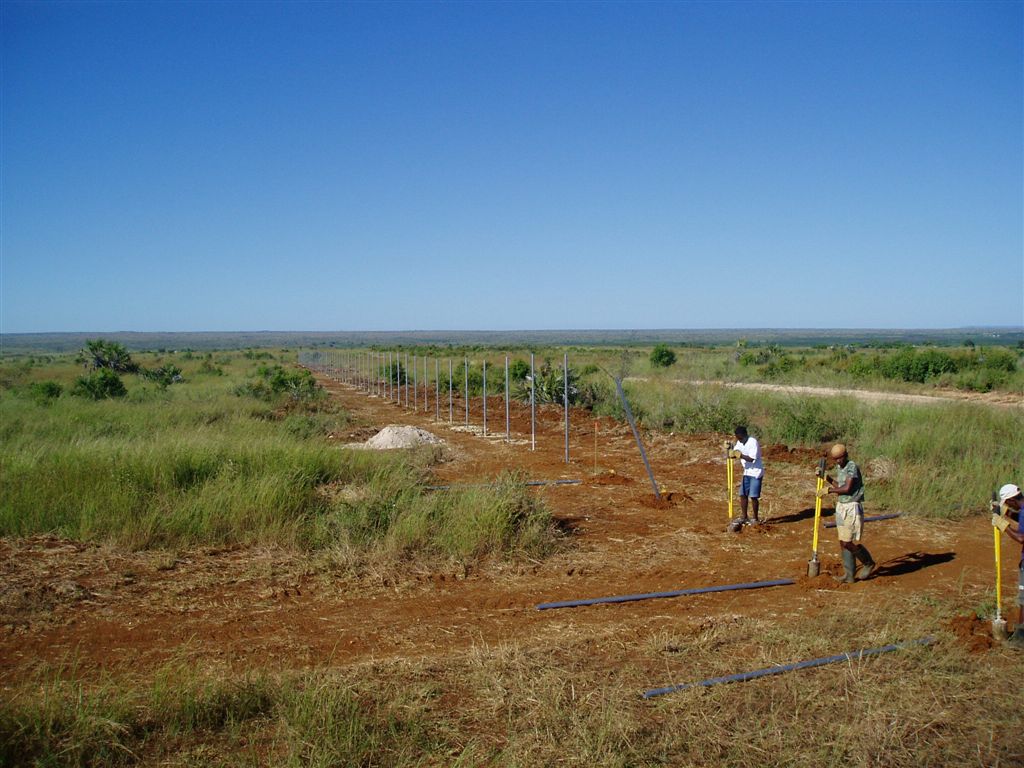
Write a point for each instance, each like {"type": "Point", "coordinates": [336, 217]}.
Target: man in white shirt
{"type": "Point", "coordinates": [748, 451]}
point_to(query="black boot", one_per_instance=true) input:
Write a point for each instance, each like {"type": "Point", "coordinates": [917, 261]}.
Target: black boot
{"type": "Point", "coordinates": [868, 567]}
{"type": "Point", "coordinates": [848, 565]}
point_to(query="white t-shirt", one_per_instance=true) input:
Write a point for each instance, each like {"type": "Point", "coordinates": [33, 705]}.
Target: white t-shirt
{"type": "Point", "coordinates": [753, 468]}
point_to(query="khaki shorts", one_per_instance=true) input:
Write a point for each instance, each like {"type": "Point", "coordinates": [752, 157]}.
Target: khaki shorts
{"type": "Point", "coordinates": [849, 520]}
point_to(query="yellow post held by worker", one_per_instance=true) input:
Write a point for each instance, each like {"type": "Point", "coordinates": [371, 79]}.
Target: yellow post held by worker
{"type": "Point", "coordinates": [813, 565]}
{"type": "Point", "coordinates": [817, 515]}
{"type": "Point", "coordinates": [999, 573]}
{"type": "Point", "coordinates": [729, 477]}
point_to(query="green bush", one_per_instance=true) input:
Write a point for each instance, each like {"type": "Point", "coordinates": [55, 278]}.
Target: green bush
{"type": "Point", "coordinates": [662, 356]}
{"type": "Point", "coordinates": [549, 385]}
{"type": "Point", "coordinates": [518, 370]}
{"type": "Point", "coordinates": [273, 381]}
{"type": "Point", "coordinates": [100, 385]}
{"type": "Point", "coordinates": [163, 376]}
{"type": "Point", "coordinates": [708, 414]}
{"type": "Point", "coordinates": [807, 422]}
{"type": "Point", "coordinates": [45, 392]}
{"type": "Point", "coordinates": [918, 366]}
{"type": "Point", "coordinates": [98, 353]}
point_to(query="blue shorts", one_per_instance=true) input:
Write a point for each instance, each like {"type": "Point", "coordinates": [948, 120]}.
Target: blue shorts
{"type": "Point", "coordinates": [751, 487]}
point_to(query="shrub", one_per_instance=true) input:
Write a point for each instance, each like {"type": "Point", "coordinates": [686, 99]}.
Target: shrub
{"type": "Point", "coordinates": [98, 353]}
{"type": "Point", "coordinates": [997, 360]}
{"type": "Point", "coordinates": [45, 392]}
{"type": "Point", "coordinates": [805, 422]}
{"type": "Point", "coordinates": [549, 386]}
{"type": "Point", "coordinates": [163, 376]}
{"type": "Point", "coordinates": [518, 370]}
{"type": "Point", "coordinates": [662, 356]}
{"type": "Point", "coordinates": [100, 385]}
{"type": "Point", "coordinates": [275, 380]}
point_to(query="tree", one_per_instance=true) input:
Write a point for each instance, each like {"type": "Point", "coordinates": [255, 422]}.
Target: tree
{"type": "Point", "coordinates": [99, 354]}
{"type": "Point", "coordinates": [662, 356]}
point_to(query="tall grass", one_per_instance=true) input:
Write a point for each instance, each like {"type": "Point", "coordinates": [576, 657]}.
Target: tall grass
{"type": "Point", "coordinates": [941, 460]}
{"type": "Point", "coordinates": [197, 464]}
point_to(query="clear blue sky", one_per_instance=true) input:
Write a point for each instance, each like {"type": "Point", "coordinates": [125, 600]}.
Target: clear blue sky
{"type": "Point", "coordinates": [383, 166]}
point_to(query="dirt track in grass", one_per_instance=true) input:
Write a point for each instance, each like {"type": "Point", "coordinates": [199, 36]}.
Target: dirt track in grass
{"type": "Point", "coordinates": [253, 607]}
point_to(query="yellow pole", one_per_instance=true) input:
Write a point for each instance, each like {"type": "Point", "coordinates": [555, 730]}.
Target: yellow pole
{"type": "Point", "coordinates": [999, 573]}
{"type": "Point", "coordinates": [729, 480]}
{"type": "Point", "coordinates": [817, 516]}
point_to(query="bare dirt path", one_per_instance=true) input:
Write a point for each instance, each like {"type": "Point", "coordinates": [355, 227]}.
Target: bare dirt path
{"type": "Point", "coordinates": [254, 607]}
{"type": "Point", "coordinates": [1003, 399]}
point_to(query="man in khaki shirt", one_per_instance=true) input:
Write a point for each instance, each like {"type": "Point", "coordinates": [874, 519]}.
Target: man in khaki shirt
{"type": "Point", "coordinates": [848, 486]}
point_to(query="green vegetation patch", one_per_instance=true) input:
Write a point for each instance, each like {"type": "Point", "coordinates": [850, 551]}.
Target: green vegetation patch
{"type": "Point", "coordinates": [244, 457]}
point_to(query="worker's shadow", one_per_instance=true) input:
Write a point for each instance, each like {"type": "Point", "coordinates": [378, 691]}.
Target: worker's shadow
{"type": "Point", "coordinates": [803, 514]}
{"type": "Point", "coordinates": [569, 525]}
{"type": "Point", "coordinates": [913, 561]}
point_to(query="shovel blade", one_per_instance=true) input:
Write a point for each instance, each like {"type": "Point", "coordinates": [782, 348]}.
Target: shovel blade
{"type": "Point", "coordinates": [999, 629]}
{"type": "Point", "coordinates": [813, 568]}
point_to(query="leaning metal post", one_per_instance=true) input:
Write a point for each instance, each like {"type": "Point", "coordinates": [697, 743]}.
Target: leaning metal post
{"type": "Point", "coordinates": [636, 436]}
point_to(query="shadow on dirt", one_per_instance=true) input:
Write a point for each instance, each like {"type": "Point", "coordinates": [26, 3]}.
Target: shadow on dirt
{"type": "Point", "coordinates": [803, 514]}
{"type": "Point", "coordinates": [569, 525]}
{"type": "Point", "coordinates": [913, 561]}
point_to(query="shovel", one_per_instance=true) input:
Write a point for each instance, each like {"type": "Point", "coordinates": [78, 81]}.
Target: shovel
{"type": "Point", "coordinates": [998, 623]}
{"type": "Point", "coordinates": [729, 478]}
{"type": "Point", "coordinates": [813, 565]}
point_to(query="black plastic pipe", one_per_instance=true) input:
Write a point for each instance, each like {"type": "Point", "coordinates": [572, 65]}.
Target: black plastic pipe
{"type": "Point", "coordinates": [655, 595]}
{"type": "Point", "coordinates": [744, 676]}
{"type": "Point", "coordinates": [530, 483]}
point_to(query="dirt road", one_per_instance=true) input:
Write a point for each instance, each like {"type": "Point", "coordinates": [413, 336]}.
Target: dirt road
{"type": "Point", "coordinates": [1004, 399]}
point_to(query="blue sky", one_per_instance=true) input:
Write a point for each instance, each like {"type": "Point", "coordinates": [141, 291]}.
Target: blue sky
{"type": "Point", "coordinates": [383, 166]}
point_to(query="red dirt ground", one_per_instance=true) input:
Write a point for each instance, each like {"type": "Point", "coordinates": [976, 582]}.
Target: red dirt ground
{"type": "Point", "coordinates": [244, 607]}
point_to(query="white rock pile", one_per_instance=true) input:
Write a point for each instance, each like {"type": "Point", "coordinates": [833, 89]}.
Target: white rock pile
{"type": "Point", "coordinates": [400, 436]}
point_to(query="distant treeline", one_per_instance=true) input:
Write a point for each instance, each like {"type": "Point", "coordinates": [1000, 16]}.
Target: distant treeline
{"type": "Point", "coordinates": [18, 343]}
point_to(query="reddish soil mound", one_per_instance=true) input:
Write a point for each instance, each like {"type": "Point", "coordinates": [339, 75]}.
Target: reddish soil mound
{"type": "Point", "coordinates": [973, 632]}
{"type": "Point", "coordinates": [610, 479]}
{"type": "Point", "coordinates": [667, 501]}
{"type": "Point", "coordinates": [777, 452]}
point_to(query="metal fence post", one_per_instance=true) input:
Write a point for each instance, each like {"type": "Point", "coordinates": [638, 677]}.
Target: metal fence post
{"type": "Point", "coordinates": [636, 436]}
{"type": "Point", "coordinates": [437, 390]}
{"type": "Point", "coordinates": [450, 412]}
{"type": "Point", "coordinates": [506, 401]}
{"type": "Point", "coordinates": [465, 372]}
{"type": "Point", "coordinates": [533, 405]}
{"type": "Point", "coordinates": [485, 397]}
{"type": "Point", "coordinates": [565, 400]}
{"type": "Point", "coordinates": [415, 386]}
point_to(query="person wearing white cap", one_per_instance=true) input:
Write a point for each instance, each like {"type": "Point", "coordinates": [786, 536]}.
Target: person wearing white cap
{"type": "Point", "coordinates": [848, 486]}
{"type": "Point", "coordinates": [1011, 500]}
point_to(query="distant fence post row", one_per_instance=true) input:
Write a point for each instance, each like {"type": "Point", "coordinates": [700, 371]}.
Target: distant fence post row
{"type": "Point", "coordinates": [386, 374]}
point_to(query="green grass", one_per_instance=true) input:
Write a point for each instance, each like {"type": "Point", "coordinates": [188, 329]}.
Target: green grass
{"type": "Point", "coordinates": [198, 464]}
{"type": "Point", "coordinates": [940, 460]}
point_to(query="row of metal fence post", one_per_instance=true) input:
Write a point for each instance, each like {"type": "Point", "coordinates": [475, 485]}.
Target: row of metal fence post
{"type": "Point", "coordinates": [365, 370]}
